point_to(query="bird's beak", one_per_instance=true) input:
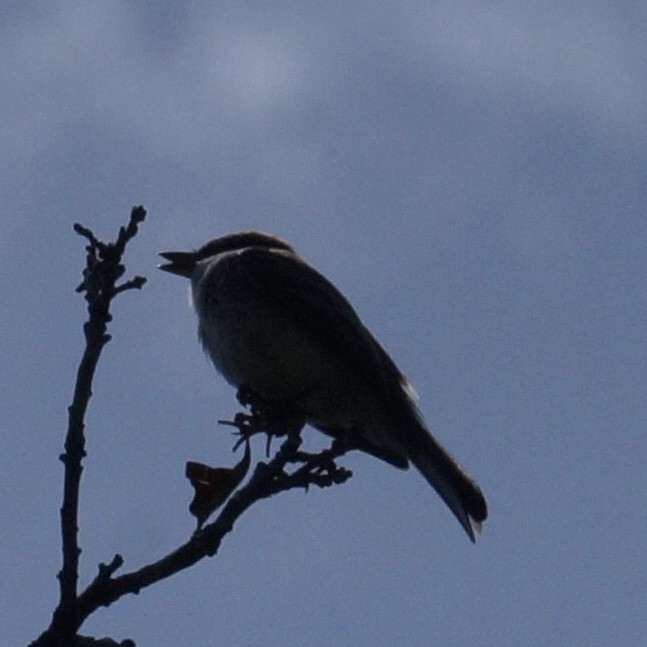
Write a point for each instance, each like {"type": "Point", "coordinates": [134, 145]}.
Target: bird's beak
{"type": "Point", "coordinates": [182, 263]}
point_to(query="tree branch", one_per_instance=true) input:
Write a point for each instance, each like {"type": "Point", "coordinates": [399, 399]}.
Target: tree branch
{"type": "Point", "coordinates": [267, 479]}
{"type": "Point", "coordinates": [103, 270]}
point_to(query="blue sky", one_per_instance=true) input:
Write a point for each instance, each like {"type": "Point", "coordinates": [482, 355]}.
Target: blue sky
{"type": "Point", "coordinates": [473, 178]}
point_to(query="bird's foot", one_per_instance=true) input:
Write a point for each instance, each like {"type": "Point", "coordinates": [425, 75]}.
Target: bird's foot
{"type": "Point", "coordinates": [271, 418]}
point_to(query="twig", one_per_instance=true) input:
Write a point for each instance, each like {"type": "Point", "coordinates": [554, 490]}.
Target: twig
{"type": "Point", "coordinates": [268, 479]}
{"type": "Point", "coordinates": [103, 270]}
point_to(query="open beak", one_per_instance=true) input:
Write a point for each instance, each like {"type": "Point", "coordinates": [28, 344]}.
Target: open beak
{"type": "Point", "coordinates": [181, 263]}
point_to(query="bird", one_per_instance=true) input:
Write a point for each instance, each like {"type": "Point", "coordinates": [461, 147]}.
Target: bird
{"type": "Point", "coordinates": [273, 324]}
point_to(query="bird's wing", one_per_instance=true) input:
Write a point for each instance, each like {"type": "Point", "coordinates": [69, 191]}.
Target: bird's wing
{"type": "Point", "coordinates": [284, 280]}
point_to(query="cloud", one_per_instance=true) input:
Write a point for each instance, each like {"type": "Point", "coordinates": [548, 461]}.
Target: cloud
{"type": "Point", "coordinates": [584, 58]}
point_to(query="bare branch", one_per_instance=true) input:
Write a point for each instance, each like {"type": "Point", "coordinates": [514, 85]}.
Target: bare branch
{"type": "Point", "coordinates": [103, 269]}
{"type": "Point", "coordinates": [268, 479]}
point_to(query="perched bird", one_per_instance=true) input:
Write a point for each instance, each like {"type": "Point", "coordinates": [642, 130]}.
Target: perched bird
{"type": "Point", "coordinates": [272, 323]}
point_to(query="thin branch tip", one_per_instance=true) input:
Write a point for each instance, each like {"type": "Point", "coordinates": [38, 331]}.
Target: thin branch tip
{"type": "Point", "coordinates": [106, 571]}
{"type": "Point", "coordinates": [136, 283]}
{"type": "Point", "coordinates": [86, 233]}
{"type": "Point", "coordinates": [138, 214]}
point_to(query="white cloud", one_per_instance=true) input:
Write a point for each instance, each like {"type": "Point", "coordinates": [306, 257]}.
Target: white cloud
{"type": "Point", "coordinates": [585, 59]}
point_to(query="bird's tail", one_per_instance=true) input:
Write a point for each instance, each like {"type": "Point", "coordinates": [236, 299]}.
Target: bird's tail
{"type": "Point", "coordinates": [449, 479]}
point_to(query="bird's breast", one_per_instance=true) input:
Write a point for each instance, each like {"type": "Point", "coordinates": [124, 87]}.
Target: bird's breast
{"type": "Point", "coordinates": [255, 345]}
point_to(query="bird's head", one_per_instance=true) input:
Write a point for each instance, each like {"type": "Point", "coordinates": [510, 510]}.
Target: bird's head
{"type": "Point", "coordinates": [183, 263]}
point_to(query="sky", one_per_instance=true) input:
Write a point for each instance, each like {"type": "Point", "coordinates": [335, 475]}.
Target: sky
{"type": "Point", "coordinates": [473, 177]}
